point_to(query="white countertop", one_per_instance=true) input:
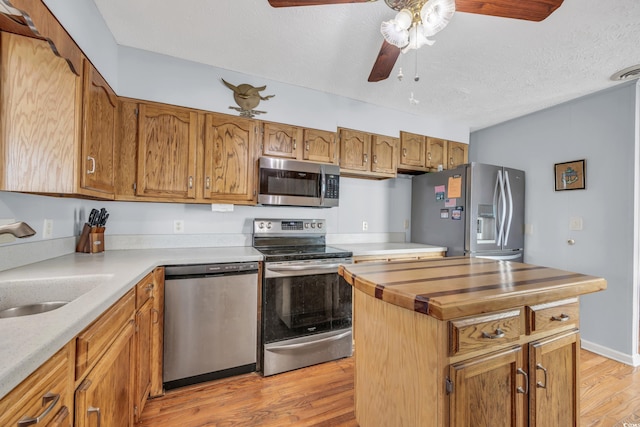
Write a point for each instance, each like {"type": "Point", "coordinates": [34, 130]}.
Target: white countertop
{"type": "Point", "coordinates": [364, 249]}
{"type": "Point", "coordinates": [27, 342]}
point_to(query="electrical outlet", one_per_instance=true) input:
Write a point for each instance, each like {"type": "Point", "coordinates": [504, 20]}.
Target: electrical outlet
{"type": "Point", "coordinates": [406, 224]}
{"type": "Point", "coordinates": [365, 225]}
{"type": "Point", "coordinates": [47, 229]}
{"type": "Point", "coordinates": [528, 229]}
{"type": "Point", "coordinates": [575, 223]}
{"type": "Point", "coordinates": [178, 226]}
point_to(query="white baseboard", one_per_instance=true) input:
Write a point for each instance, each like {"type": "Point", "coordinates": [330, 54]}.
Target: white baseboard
{"type": "Point", "coordinates": [633, 360]}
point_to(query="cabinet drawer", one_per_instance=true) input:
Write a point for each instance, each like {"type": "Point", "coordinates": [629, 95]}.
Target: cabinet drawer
{"type": "Point", "coordinates": [144, 290]}
{"type": "Point", "coordinates": [97, 337]}
{"type": "Point", "coordinates": [45, 393]}
{"type": "Point", "coordinates": [480, 332]}
{"type": "Point", "coordinates": [557, 314]}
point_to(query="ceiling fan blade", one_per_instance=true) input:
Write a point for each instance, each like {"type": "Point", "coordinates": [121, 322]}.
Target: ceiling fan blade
{"type": "Point", "coordinates": [385, 61]}
{"type": "Point", "coordinates": [529, 10]}
{"type": "Point", "coordinates": [290, 3]}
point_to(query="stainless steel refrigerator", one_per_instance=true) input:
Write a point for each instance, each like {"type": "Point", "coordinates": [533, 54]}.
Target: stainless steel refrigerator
{"type": "Point", "coordinates": [474, 210]}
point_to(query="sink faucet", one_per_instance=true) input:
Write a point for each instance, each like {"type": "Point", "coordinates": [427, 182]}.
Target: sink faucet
{"type": "Point", "coordinates": [18, 229]}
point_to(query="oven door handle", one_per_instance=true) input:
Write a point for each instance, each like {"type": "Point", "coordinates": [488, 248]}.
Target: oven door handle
{"type": "Point", "coordinates": [288, 347]}
{"type": "Point", "coordinates": [304, 267]}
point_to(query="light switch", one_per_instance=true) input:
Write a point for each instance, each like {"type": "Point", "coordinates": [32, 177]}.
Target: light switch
{"type": "Point", "coordinates": [575, 223]}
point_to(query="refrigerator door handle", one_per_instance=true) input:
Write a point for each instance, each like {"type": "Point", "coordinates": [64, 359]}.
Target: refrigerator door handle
{"type": "Point", "coordinates": [508, 187]}
{"type": "Point", "coordinates": [503, 212]}
{"type": "Point", "coordinates": [496, 201]}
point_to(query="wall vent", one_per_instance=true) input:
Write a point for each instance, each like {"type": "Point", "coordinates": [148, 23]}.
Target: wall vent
{"type": "Point", "coordinates": [628, 73]}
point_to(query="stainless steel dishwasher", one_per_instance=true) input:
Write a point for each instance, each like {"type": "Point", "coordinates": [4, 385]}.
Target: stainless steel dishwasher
{"type": "Point", "coordinates": [211, 322]}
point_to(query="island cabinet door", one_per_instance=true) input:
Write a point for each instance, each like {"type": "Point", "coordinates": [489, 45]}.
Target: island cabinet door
{"type": "Point", "coordinates": [488, 391]}
{"type": "Point", "coordinates": [553, 368]}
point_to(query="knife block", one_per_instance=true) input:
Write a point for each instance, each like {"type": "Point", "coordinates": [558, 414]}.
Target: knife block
{"type": "Point", "coordinates": [91, 240]}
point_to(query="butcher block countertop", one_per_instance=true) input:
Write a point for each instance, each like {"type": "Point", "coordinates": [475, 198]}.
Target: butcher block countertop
{"type": "Point", "coordinates": [448, 288]}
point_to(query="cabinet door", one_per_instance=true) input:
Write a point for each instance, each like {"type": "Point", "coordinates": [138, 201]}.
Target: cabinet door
{"type": "Point", "coordinates": [40, 120]}
{"type": "Point", "coordinates": [281, 140]}
{"type": "Point", "coordinates": [319, 146]}
{"type": "Point", "coordinates": [166, 152]}
{"type": "Point", "coordinates": [458, 154]}
{"type": "Point", "coordinates": [143, 346]}
{"type": "Point", "coordinates": [157, 332]}
{"type": "Point", "coordinates": [553, 368]}
{"type": "Point", "coordinates": [412, 151]}
{"type": "Point", "coordinates": [384, 151]}
{"type": "Point", "coordinates": [354, 150]}
{"type": "Point", "coordinates": [99, 105]}
{"type": "Point", "coordinates": [436, 153]}
{"type": "Point", "coordinates": [105, 397]}
{"type": "Point", "coordinates": [488, 391]}
{"type": "Point", "coordinates": [229, 164]}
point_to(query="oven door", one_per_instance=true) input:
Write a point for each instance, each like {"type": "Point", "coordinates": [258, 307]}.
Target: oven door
{"type": "Point", "coordinates": [306, 314]}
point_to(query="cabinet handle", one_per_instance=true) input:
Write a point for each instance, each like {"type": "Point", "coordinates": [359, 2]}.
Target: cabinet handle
{"type": "Point", "coordinates": [526, 382]}
{"type": "Point", "coordinates": [498, 334]}
{"type": "Point", "coordinates": [375, 159]}
{"type": "Point", "coordinates": [450, 160]}
{"type": "Point", "coordinates": [156, 316]}
{"type": "Point", "coordinates": [404, 152]}
{"type": "Point", "coordinates": [93, 165]}
{"type": "Point", "coordinates": [49, 398]}
{"type": "Point", "coordinates": [366, 158]}
{"type": "Point", "coordinates": [96, 410]}
{"type": "Point", "coordinates": [190, 182]}
{"type": "Point", "coordinates": [429, 155]}
{"type": "Point", "coordinates": [208, 183]}
{"type": "Point", "coordinates": [149, 288]}
{"type": "Point", "coordinates": [295, 145]}
{"type": "Point", "coordinates": [306, 146]}
{"type": "Point", "coordinates": [539, 384]}
{"type": "Point", "coordinates": [563, 318]}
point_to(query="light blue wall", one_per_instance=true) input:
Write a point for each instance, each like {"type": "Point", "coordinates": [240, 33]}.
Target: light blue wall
{"type": "Point", "coordinates": [600, 128]}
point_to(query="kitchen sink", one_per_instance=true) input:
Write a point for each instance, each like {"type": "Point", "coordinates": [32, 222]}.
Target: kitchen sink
{"type": "Point", "coordinates": [32, 296]}
{"type": "Point", "coordinates": [29, 309]}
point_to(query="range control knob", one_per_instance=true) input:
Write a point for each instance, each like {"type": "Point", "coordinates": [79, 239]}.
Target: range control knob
{"type": "Point", "coordinates": [313, 225]}
{"type": "Point", "coordinates": [269, 225]}
{"type": "Point", "coordinates": [319, 225]}
{"type": "Point", "coordinates": [261, 225]}
{"type": "Point", "coordinates": [306, 225]}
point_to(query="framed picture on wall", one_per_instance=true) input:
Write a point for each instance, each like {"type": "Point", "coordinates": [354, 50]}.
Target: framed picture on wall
{"type": "Point", "coordinates": [570, 175]}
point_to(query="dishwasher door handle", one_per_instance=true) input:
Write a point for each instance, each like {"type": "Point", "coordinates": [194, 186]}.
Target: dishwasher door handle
{"type": "Point", "coordinates": [310, 344]}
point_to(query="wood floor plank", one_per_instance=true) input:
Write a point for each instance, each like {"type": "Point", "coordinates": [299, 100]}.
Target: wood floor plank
{"type": "Point", "coordinates": [322, 396]}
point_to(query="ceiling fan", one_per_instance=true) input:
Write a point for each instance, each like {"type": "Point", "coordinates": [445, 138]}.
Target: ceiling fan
{"type": "Point", "coordinates": [418, 19]}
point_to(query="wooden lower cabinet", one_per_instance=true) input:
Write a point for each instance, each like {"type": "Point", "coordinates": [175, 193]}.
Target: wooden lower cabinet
{"type": "Point", "coordinates": [143, 333]}
{"type": "Point", "coordinates": [104, 397]}
{"type": "Point", "coordinates": [485, 392]}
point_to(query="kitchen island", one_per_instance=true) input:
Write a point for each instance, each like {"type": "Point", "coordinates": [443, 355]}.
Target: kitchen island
{"type": "Point", "coordinates": [466, 341]}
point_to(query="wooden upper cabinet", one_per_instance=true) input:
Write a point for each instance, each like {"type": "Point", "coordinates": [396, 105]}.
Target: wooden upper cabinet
{"type": "Point", "coordinates": [40, 120]}
{"type": "Point", "coordinates": [457, 154]}
{"type": "Point", "coordinates": [280, 140]}
{"type": "Point", "coordinates": [384, 154]}
{"type": "Point", "coordinates": [355, 150]}
{"type": "Point", "coordinates": [167, 142]}
{"type": "Point", "coordinates": [412, 152]}
{"type": "Point", "coordinates": [319, 146]}
{"type": "Point", "coordinates": [98, 133]}
{"type": "Point", "coordinates": [436, 153]}
{"type": "Point", "coordinates": [229, 164]}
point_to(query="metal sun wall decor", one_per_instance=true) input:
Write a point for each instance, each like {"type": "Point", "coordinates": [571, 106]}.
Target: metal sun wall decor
{"type": "Point", "coordinates": [247, 97]}
{"type": "Point", "coordinates": [570, 175]}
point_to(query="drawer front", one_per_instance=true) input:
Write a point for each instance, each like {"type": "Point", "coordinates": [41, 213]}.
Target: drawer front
{"type": "Point", "coordinates": [558, 314]}
{"type": "Point", "coordinates": [97, 337]}
{"type": "Point", "coordinates": [144, 290]}
{"type": "Point", "coordinates": [483, 332]}
{"type": "Point", "coordinates": [45, 393]}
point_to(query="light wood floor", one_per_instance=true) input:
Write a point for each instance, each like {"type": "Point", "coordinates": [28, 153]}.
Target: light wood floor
{"type": "Point", "coordinates": [322, 395]}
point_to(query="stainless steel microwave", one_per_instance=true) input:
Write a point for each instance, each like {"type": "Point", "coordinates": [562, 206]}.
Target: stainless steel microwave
{"type": "Point", "coordinates": [285, 182]}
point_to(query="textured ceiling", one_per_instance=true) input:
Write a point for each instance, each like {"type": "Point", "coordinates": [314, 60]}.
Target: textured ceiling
{"type": "Point", "coordinates": [481, 71]}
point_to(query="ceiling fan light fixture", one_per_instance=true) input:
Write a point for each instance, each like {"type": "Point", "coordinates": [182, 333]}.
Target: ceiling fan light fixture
{"type": "Point", "coordinates": [395, 31]}
{"type": "Point", "coordinates": [417, 39]}
{"type": "Point", "coordinates": [436, 14]}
